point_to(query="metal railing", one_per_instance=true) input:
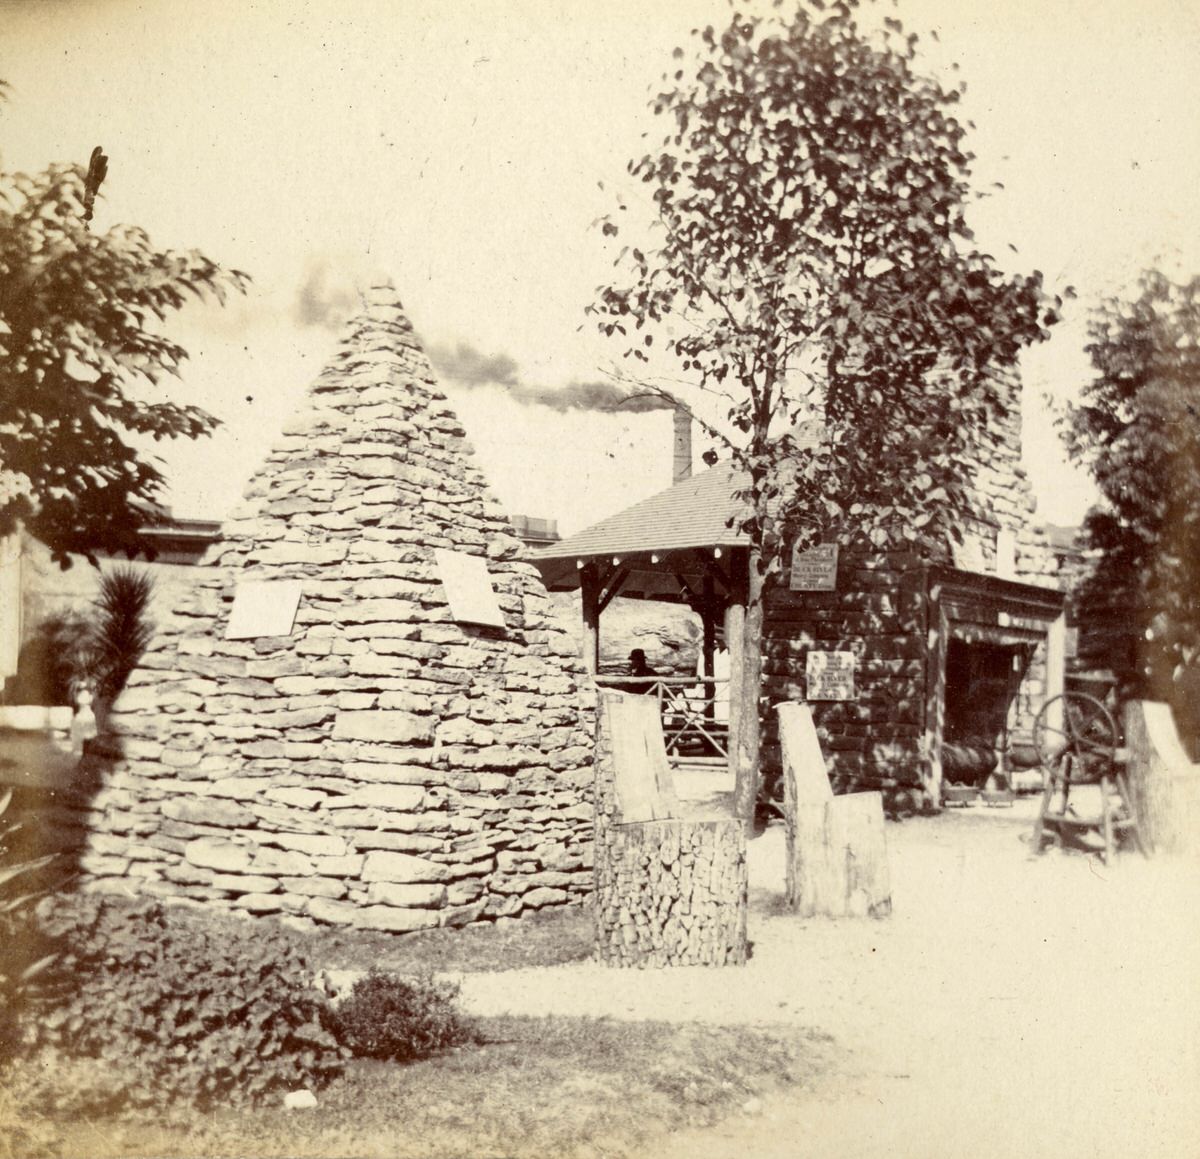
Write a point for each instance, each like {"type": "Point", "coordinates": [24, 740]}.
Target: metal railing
{"type": "Point", "coordinates": [695, 713]}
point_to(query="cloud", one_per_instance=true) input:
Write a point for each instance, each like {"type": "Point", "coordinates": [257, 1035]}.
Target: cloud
{"type": "Point", "coordinates": [466, 366]}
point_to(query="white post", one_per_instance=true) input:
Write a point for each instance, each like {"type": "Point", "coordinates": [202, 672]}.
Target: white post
{"type": "Point", "coordinates": [1056, 670]}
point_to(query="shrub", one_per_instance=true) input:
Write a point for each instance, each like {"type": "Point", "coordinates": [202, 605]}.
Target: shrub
{"type": "Point", "coordinates": [20, 965]}
{"type": "Point", "coordinates": [71, 651]}
{"type": "Point", "coordinates": [55, 662]}
{"type": "Point", "coordinates": [400, 1019]}
{"type": "Point", "coordinates": [202, 1014]}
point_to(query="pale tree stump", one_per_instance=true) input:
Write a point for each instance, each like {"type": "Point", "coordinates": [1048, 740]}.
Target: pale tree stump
{"type": "Point", "coordinates": [1164, 785]}
{"type": "Point", "coordinates": [670, 890]}
{"type": "Point", "coordinates": [837, 862]}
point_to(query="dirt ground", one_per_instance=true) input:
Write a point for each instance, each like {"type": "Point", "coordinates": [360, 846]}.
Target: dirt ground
{"type": "Point", "coordinates": [1010, 1006]}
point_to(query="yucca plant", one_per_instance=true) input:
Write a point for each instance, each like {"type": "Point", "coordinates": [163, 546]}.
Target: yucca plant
{"type": "Point", "coordinates": [122, 629]}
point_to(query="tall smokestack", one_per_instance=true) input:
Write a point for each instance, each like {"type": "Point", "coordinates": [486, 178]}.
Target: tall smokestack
{"type": "Point", "coordinates": [681, 465]}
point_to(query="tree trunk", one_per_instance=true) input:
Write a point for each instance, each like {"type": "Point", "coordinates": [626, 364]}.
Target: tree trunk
{"type": "Point", "coordinates": [836, 847]}
{"type": "Point", "coordinates": [837, 858]}
{"type": "Point", "coordinates": [672, 893]}
{"type": "Point", "coordinates": [746, 770]}
{"type": "Point", "coordinates": [1164, 785]}
{"type": "Point", "coordinates": [669, 891]}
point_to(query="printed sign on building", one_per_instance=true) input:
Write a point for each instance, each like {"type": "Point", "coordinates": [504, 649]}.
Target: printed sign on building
{"type": "Point", "coordinates": [830, 676]}
{"type": "Point", "coordinates": [814, 570]}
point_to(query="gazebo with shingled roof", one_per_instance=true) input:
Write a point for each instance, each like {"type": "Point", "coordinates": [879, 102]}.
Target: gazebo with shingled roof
{"type": "Point", "coordinates": [682, 545]}
{"type": "Point", "coordinates": [948, 657]}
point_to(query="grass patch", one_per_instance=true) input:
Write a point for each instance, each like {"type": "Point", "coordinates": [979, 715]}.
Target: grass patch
{"type": "Point", "coordinates": [549, 937]}
{"type": "Point", "coordinates": [533, 1088]}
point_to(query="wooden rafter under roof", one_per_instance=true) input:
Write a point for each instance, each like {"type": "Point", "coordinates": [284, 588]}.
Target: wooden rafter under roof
{"type": "Point", "coordinates": [672, 540]}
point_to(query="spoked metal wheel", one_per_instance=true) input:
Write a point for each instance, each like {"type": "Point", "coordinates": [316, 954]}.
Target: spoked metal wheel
{"type": "Point", "coordinates": [1075, 730]}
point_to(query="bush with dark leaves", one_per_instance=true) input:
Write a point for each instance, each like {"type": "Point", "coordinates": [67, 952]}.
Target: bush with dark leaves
{"type": "Point", "coordinates": [401, 1019]}
{"type": "Point", "coordinates": [183, 1008]}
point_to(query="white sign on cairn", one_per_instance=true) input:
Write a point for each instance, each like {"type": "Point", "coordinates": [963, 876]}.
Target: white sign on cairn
{"type": "Point", "coordinates": [263, 608]}
{"type": "Point", "coordinates": [469, 588]}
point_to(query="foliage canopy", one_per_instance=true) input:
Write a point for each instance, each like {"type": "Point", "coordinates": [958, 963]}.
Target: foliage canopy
{"type": "Point", "coordinates": [815, 262]}
{"type": "Point", "coordinates": [82, 364]}
{"type": "Point", "coordinates": [1137, 427]}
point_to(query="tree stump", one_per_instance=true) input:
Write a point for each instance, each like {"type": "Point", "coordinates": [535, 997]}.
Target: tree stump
{"type": "Point", "coordinates": [670, 890]}
{"type": "Point", "coordinates": [837, 858]}
{"type": "Point", "coordinates": [1164, 785]}
{"type": "Point", "coordinates": [836, 847]}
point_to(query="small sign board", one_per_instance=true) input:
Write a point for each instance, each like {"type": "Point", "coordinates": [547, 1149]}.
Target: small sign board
{"type": "Point", "coordinates": [814, 570]}
{"type": "Point", "coordinates": [469, 588]}
{"type": "Point", "coordinates": [968, 555]}
{"type": "Point", "coordinates": [830, 676]}
{"type": "Point", "coordinates": [263, 608]}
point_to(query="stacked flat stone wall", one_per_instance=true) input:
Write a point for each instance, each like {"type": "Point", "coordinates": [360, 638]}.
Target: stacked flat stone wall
{"type": "Point", "coordinates": [1003, 498]}
{"type": "Point", "coordinates": [383, 765]}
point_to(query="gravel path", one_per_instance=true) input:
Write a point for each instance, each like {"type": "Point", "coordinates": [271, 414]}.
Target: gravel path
{"type": "Point", "coordinates": [1010, 1006]}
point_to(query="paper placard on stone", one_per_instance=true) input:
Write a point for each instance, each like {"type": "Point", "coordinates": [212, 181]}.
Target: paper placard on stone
{"type": "Point", "coordinates": [968, 555]}
{"type": "Point", "coordinates": [468, 588]}
{"type": "Point", "coordinates": [830, 676]}
{"type": "Point", "coordinates": [263, 608]}
{"type": "Point", "coordinates": [814, 570]}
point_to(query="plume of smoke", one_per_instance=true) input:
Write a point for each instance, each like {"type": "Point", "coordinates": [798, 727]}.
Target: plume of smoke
{"type": "Point", "coordinates": [325, 299]}
{"type": "Point", "coordinates": [328, 296]}
{"type": "Point", "coordinates": [468, 367]}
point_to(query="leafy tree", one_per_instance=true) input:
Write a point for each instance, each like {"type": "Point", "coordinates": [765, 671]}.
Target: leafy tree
{"type": "Point", "coordinates": [1137, 427]}
{"type": "Point", "coordinates": [83, 361]}
{"type": "Point", "coordinates": [813, 261]}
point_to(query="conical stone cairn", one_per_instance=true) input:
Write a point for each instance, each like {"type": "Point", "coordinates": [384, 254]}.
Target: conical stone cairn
{"type": "Point", "coordinates": [382, 759]}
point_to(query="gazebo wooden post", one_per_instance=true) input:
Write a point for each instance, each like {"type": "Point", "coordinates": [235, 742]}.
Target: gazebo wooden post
{"type": "Point", "coordinates": [735, 626]}
{"type": "Point", "coordinates": [589, 588]}
{"type": "Point", "coordinates": [709, 647]}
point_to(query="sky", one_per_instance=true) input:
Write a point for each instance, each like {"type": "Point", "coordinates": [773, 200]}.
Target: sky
{"type": "Point", "coordinates": [459, 149]}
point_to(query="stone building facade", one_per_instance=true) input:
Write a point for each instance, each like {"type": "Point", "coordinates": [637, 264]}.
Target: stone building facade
{"type": "Point", "coordinates": [382, 764]}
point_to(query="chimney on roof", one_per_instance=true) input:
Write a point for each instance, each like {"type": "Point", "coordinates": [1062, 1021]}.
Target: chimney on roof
{"type": "Point", "coordinates": [681, 465]}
